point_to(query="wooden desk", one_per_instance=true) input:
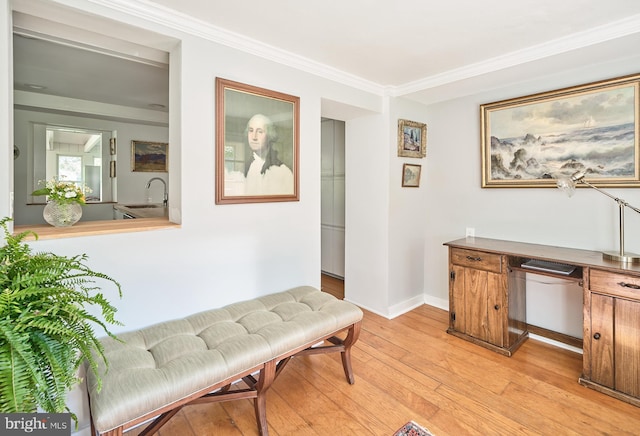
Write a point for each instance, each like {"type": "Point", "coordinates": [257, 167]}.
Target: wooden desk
{"type": "Point", "coordinates": [487, 306]}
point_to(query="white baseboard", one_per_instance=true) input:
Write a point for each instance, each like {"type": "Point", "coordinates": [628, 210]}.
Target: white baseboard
{"type": "Point", "coordinates": [407, 305]}
{"type": "Point", "coordinates": [365, 307]}
{"type": "Point", "coordinates": [555, 343]}
{"type": "Point", "coordinates": [440, 303]}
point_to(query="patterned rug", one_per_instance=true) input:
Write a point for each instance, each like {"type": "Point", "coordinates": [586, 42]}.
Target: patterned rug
{"type": "Point", "coordinates": [412, 429]}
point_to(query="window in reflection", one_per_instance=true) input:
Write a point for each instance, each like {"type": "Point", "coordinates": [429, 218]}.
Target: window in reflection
{"type": "Point", "coordinates": [73, 155]}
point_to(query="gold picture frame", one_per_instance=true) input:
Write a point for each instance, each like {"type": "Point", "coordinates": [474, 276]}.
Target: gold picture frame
{"type": "Point", "coordinates": [412, 139]}
{"type": "Point", "coordinates": [531, 141]}
{"type": "Point", "coordinates": [147, 156]}
{"type": "Point", "coordinates": [257, 144]}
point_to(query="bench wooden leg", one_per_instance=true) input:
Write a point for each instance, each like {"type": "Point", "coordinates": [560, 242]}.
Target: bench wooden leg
{"type": "Point", "coordinates": [341, 345]}
{"type": "Point", "coordinates": [352, 337]}
{"type": "Point", "coordinates": [267, 376]}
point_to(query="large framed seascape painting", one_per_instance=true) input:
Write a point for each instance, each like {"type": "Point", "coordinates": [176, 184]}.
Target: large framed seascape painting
{"type": "Point", "coordinates": [257, 144]}
{"type": "Point", "coordinates": [531, 141]}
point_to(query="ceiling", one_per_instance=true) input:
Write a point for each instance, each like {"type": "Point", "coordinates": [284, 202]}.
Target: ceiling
{"type": "Point", "coordinates": [402, 47]}
{"type": "Point", "coordinates": [393, 43]}
{"type": "Point", "coordinates": [49, 67]}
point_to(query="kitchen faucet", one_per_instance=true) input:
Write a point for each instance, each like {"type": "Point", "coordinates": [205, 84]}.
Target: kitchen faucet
{"type": "Point", "coordinates": [165, 200]}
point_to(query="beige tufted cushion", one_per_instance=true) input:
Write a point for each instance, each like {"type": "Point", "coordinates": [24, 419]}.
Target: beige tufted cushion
{"type": "Point", "coordinates": [158, 365]}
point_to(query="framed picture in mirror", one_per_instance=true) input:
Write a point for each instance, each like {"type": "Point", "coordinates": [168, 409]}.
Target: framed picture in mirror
{"type": "Point", "coordinates": [149, 156]}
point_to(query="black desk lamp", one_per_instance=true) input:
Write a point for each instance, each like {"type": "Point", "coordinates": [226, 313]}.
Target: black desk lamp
{"type": "Point", "coordinates": [568, 185]}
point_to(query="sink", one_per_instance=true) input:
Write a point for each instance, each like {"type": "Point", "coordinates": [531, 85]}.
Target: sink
{"type": "Point", "coordinates": [142, 210]}
{"type": "Point", "coordinates": [142, 206]}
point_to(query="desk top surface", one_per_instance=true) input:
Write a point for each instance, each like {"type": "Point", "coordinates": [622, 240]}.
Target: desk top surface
{"type": "Point", "coordinates": [573, 256]}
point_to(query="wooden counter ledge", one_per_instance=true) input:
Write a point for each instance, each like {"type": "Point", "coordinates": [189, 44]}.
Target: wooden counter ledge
{"type": "Point", "coordinates": [92, 228]}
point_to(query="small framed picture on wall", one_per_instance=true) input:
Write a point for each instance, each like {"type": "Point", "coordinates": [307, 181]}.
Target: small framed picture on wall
{"type": "Point", "coordinates": [412, 139]}
{"type": "Point", "coordinates": [411, 175]}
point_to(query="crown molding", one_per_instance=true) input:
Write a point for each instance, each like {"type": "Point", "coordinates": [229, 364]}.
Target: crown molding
{"type": "Point", "coordinates": [596, 35]}
{"type": "Point", "coordinates": [176, 20]}
{"type": "Point", "coordinates": [170, 18]}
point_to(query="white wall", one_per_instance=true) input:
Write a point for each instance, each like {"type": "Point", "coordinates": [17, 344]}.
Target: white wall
{"type": "Point", "coordinates": [367, 212]}
{"type": "Point", "coordinates": [6, 111]}
{"type": "Point", "coordinates": [408, 213]}
{"type": "Point", "coordinates": [588, 220]}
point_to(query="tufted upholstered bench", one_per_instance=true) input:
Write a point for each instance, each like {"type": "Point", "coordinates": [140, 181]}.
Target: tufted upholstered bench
{"type": "Point", "coordinates": [155, 371]}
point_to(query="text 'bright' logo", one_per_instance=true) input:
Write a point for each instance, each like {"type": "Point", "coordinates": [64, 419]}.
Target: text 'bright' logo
{"type": "Point", "coordinates": [36, 424]}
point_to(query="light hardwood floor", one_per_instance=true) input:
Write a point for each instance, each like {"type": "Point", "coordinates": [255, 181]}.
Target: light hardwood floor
{"type": "Point", "coordinates": [408, 368]}
{"type": "Point", "coordinates": [332, 285]}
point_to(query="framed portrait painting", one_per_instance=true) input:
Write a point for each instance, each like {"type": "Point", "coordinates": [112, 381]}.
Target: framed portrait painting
{"type": "Point", "coordinates": [149, 156]}
{"type": "Point", "coordinates": [411, 175]}
{"type": "Point", "coordinates": [257, 144]}
{"type": "Point", "coordinates": [412, 139]}
{"type": "Point", "coordinates": [533, 140]}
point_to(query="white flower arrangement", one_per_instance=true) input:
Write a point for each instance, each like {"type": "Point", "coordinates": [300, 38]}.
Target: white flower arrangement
{"type": "Point", "coordinates": [62, 192]}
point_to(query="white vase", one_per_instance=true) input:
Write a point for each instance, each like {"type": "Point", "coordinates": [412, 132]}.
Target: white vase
{"type": "Point", "coordinates": [62, 214]}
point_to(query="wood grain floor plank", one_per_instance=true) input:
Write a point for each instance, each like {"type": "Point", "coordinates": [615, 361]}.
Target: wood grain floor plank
{"type": "Point", "coordinates": [562, 406]}
{"type": "Point", "coordinates": [204, 419]}
{"type": "Point", "coordinates": [321, 414]}
{"type": "Point", "coordinates": [360, 400]}
{"type": "Point", "coordinates": [481, 415]}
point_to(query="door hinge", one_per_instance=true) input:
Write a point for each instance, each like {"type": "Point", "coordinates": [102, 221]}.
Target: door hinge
{"type": "Point", "coordinates": [452, 275]}
{"type": "Point", "coordinates": [453, 316]}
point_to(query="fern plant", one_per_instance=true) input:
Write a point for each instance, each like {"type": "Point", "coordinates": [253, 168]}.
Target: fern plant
{"type": "Point", "coordinates": [46, 327]}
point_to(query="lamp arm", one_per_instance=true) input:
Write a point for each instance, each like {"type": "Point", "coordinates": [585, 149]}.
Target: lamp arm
{"type": "Point", "coordinates": [618, 200]}
{"type": "Point", "coordinates": [632, 207]}
{"type": "Point", "coordinates": [567, 184]}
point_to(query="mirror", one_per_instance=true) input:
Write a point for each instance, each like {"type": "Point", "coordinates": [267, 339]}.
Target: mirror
{"type": "Point", "coordinates": [75, 155]}
{"type": "Point", "coordinates": [74, 90]}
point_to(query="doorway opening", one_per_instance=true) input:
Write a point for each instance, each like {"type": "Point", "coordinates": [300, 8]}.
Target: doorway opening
{"type": "Point", "coordinates": [332, 220]}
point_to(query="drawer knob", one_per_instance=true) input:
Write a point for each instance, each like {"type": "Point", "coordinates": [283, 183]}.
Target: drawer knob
{"type": "Point", "coordinates": [496, 307]}
{"type": "Point", "coordinates": [629, 285]}
{"type": "Point", "coordinates": [596, 336]}
{"type": "Point", "coordinates": [475, 259]}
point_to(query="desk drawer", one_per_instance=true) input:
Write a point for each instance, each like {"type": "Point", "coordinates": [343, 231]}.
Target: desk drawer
{"type": "Point", "coordinates": [477, 259]}
{"type": "Point", "coordinates": [622, 285]}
